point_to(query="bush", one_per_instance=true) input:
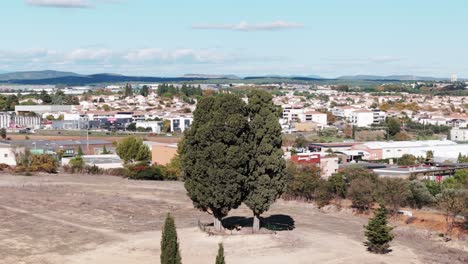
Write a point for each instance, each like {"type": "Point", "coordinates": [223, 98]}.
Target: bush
{"type": "Point", "coordinates": [4, 167]}
{"type": "Point", "coordinates": [303, 181]}
{"type": "Point", "coordinates": [77, 164]}
{"type": "Point", "coordinates": [420, 195]}
{"type": "Point", "coordinates": [95, 170]}
{"type": "Point", "coordinates": [323, 193]}
{"type": "Point", "coordinates": [361, 193]}
{"type": "Point", "coordinates": [123, 172]}
{"type": "Point", "coordinates": [394, 191]}
{"type": "Point", "coordinates": [43, 163]}
{"type": "Point", "coordinates": [144, 172]}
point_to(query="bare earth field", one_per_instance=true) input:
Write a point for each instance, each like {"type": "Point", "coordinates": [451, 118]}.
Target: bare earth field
{"type": "Point", "coordinates": [101, 219]}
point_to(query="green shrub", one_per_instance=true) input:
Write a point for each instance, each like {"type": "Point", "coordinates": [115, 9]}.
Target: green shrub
{"type": "Point", "coordinates": [145, 172]}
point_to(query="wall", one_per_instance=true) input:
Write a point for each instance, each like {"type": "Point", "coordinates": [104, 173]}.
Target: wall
{"type": "Point", "coordinates": [162, 154]}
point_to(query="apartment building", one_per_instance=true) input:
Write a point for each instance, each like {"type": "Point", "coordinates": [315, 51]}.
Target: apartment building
{"type": "Point", "coordinates": [361, 118]}
{"type": "Point", "coordinates": [459, 134]}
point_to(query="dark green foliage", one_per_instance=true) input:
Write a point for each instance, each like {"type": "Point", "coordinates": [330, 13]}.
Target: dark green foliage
{"type": "Point", "coordinates": [105, 151]}
{"type": "Point", "coordinates": [220, 256]}
{"type": "Point", "coordinates": [351, 173]}
{"type": "Point", "coordinates": [378, 233]}
{"type": "Point", "coordinates": [3, 133]}
{"type": "Point", "coordinates": [462, 158]}
{"type": "Point", "coordinates": [433, 187]}
{"type": "Point", "coordinates": [145, 172]}
{"type": "Point", "coordinates": [300, 142]}
{"type": "Point", "coordinates": [214, 154]}
{"type": "Point", "coordinates": [267, 179]}
{"type": "Point", "coordinates": [303, 182]}
{"type": "Point", "coordinates": [8, 103]}
{"type": "Point", "coordinates": [420, 195]}
{"type": "Point", "coordinates": [407, 159]}
{"type": "Point", "coordinates": [80, 151]}
{"type": "Point", "coordinates": [395, 192]}
{"type": "Point", "coordinates": [323, 193]}
{"type": "Point", "coordinates": [128, 90]}
{"type": "Point", "coordinates": [144, 90]}
{"type": "Point", "coordinates": [132, 127]}
{"type": "Point", "coordinates": [77, 163]}
{"type": "Point", "coordinates": [337, 185]}
{"type": "Point", "coordinates": [170, 253]}
{"type": "Point", "coordinates": [45, 97]}
{"type": "Point", "coordinates": [361, 191]}
{"type": "Point", "coordinates": [394, 126]}
{"type": "Point", "coordinates": [186, 91]}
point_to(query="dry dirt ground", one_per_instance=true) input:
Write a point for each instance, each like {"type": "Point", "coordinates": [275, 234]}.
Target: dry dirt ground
{"type": "Point", "coordinates": [101, 219]}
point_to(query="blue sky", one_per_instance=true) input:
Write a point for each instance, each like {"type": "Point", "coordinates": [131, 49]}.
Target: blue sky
{"type": "Point", "coordinates": [256, 37]}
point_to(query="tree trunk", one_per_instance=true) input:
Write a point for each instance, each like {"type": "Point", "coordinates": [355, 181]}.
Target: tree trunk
{"type": "Point", "coordinates": [256, 223]}
{"type": "Point", "coordinates": [218, 226]}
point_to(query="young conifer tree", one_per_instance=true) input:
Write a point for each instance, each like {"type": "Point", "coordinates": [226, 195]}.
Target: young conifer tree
{"type": "Point", "coordinates": [378, 233]}
{"type": "Point", "coordinates": [220, 256]}
{"type": "Point", "coordinates": [170, 253]}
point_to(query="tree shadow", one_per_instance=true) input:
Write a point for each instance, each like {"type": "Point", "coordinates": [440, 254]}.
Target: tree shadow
{"type": "Point", "coordinates": [278, 222]}
{"type": "Point", "coordinates": [236, 222]}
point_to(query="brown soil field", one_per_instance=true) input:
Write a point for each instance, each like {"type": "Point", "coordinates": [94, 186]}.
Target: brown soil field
{"type": "Point", "coordinates": [78, 219]}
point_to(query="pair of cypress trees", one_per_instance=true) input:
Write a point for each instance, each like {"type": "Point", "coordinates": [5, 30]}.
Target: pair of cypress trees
{"type": "Point", "coordinates": [170, 253]}
{"type": "Point", "coordinates": [232, 155]}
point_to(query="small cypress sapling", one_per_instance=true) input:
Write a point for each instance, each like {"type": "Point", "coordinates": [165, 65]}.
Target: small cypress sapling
{"type": "Point", "coordinates": [170, 253]}
{"type": "Point", "coordinates": [220, 256]}
{"type": "Point", "coordinates": [80, 151]}
{"type": "Point", "coordinates": [378, 233]}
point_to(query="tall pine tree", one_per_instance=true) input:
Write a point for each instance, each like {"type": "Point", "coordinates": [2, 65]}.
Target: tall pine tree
{"type": "Point", "coordinates": [267, 178]}
{"type": "Point", "coordinates": [220, 256]}
{"type": "Point", "coordinates": [170, 253]}
{"type": "Point", "coordinates": [214, 155]}
{"type": "Point", "coordinates": [378, 233]}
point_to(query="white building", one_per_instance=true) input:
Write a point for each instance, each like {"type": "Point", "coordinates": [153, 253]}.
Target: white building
{"type": "Point", "coordinates": [379, 116]}
{"type": "Point", "coordinates": [313, 116]}
{"type": "Point", "coordinates": [5, 120]}
{"type": "Point", "coordinates": [7, 154]}
{"type": "Point", "coordinates": [154, 125]}
{"type": "Point", "coordinates": [179, 124]}
{"type": "Point", "coordinates": [458, 134]}
{"type": "Point", "coordinates": [328, 166]}
{"type": "Point", "coordinates": [361, 118]}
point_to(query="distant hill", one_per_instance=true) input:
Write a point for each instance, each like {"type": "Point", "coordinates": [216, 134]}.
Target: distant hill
{"type": "Point", "coordinates": [35, 75]}
{"type": "Point", "coordinates": [211, 76]}
{"type": "Point", "coordinates": [101, 78]}
{"type": "Point", "coordinates": [389, 78]}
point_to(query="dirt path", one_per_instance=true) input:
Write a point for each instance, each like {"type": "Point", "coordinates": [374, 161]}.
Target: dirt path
{"type": "Point", "coordinates": [99, 219]}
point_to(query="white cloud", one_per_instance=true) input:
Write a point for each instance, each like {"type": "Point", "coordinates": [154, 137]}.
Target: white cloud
{"type": "Point", "coordinates": [385, 59]}
{"type": "Point", "coordinates": [88, 54]}
{"type": "Point", "coordinates": [244, 26]}
{"type": "Point", "coordinates": [68, 3]}
{"type": "Point", "coordinates": [60, 3]}
{"type": "Point", "coordinates": [178, 55]}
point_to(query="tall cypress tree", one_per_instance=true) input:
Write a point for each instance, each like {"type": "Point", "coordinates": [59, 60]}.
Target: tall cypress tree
{"type": "Point", "coordinates": [220, 256]}
{"type": "Point", "coordinates": [214, 155]}
{"type": "Point", "coordinates": [169, 244]}
{"type": "Point", "coordinates": [267, 178]}
{"type": "Point", "coordinates": [378, 233]}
